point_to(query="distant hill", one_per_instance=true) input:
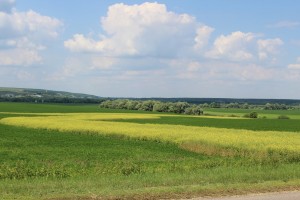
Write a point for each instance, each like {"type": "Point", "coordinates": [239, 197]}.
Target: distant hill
{"type": "Point", "coordinates": [51, 96]}
{"type": "Point", "coordinates": [42, 95]}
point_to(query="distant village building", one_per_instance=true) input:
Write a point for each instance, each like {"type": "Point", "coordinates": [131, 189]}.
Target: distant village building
{"type": "Point", "coordinates": [8, 95]}
{"type": "Point", "coordinates": [36, 96]}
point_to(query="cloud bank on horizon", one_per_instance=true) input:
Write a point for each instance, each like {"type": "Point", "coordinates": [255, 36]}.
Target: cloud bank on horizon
{"type": "Point", "coordinates": [147, 50]}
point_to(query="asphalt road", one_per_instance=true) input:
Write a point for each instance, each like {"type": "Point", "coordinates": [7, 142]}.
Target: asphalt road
{"type": "Point", "coordinates": [294, 195]}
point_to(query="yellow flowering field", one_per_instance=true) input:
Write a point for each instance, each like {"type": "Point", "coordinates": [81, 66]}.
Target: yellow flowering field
{"type": "Point", "coordinates": [211, 141]}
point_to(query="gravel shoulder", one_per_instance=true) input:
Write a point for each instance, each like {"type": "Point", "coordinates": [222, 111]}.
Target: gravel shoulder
{"type": "Point", "coordinates": [293, 195]}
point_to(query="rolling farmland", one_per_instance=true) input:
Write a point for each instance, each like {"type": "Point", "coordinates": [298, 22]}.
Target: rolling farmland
{"type": "Point", "coordinates": [64, 152]}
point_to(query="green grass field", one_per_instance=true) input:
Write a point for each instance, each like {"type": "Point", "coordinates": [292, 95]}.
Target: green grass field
{"type": "Point", "coordinates": [46, 108]}
{"type": "Point", "coordinates": [271, 114]}
{"type": "Point", "coordinates": [232, 123]}
{"type": "Point", "coordinates": [53, 164]}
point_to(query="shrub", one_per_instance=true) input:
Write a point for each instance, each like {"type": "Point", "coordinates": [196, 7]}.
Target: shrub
{"type": "Point", "coordinates": [283, 117]}
{"type": "Point", "coordinates": [252, 115]}
{"type": "Point", "coordinates": [160, 107]}
{"type": "Point", "coordinates": [193, 110]}
{"type": "Point", "coordinates": [232, 115]}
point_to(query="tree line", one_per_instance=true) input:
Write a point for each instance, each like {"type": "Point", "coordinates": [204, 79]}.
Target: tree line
{"type": "Point", "coordinates": [267, 106]}
{"type": "Point", "coordinates": [152, 105]}
{"type": "Point", "coordinates": [225, 101]}
{"type": "Point", "coordinates": [184, 107]}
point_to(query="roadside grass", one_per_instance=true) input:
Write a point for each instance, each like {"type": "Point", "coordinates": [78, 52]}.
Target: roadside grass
{"type": "Point", "coordinates": [134, 187]}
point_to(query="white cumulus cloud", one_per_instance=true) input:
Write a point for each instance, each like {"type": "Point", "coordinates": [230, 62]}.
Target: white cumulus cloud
{"type": "Point", "coordinates": [80, 43]}
{"type": "Point", "coordinates": [19, 57]}
{"type": "Point", "coordinates": [236, 46]}
{"type": "Point", "coordinates": [295, 65]}
{"type": "Point", "coordinates": [268, 47]}
{"type": "Point", "coordinates": [28, 23]}
{"type": "Point", "coordinates": [147, 38]}
{"type": "Point", "coordinates": [254, 72]}
{"type": "Point", "coordinates": [240, 46]}
{"type": "Point", "coordinates": [203, 35]}
{"type": "Point", "coordinates": [148, 29]}
{"type": "Point", "coordinates": [23, 34]}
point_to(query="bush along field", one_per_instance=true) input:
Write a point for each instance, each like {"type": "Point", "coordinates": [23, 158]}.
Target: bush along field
{"type": "Point", "coordinates": [74, 154]}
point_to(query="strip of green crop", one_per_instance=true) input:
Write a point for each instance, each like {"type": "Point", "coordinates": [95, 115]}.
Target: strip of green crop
{"type": "Point", "coordinates": [223, 122]}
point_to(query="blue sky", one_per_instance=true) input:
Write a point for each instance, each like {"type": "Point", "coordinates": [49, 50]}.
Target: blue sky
{"type": "Point", "coordinates": [191, 48]}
